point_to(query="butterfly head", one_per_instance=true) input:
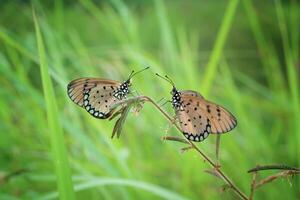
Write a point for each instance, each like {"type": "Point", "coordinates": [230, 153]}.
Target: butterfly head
{"type": "Point", "coordinates": [124, 87]}
{"type": "Point", "coordinates": [176, 98]}
{"type": "Point", "coordinates": [176, 95]}
{"type": "Point", "coordinates": [174, 91]}
{"type": "Point", "coordinates": [127, 83]}
{"type": "Point", "coordinates": [123, 90]}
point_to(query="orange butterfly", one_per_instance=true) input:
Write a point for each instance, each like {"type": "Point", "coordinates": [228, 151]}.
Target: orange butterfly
{"type": "Point", "coordinates": [197, 116]}
{"type": "Point", "coordinates": [97, 95]}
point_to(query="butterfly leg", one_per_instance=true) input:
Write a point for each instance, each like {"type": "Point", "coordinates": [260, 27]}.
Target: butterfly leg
{"type": "Point", "coordinates": [134, 91]}
{"type": "Point", "coordinates": [164, 103]}
{"type": "Point", "coordinates": [171, 123]}
{"type": "Point", "coordinates": [160, 100]}
{"type": "Point", "coordinates": [168, 101]}
{"type": "Point", "coordinates": [174, 120]}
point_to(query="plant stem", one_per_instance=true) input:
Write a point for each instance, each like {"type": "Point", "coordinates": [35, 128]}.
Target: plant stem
{"type": "Point", "coordinates": [192, 145]}
{"type": "Point", "coordinates": [209, 160]}
{"type": "Point", "coordinates": [253, 184]}
{"type": "Point", "coordinates": [273, 167]}
{"type": "Point", "coordinates": [271, 178]}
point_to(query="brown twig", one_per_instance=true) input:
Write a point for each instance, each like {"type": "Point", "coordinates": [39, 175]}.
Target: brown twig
{"type": "Point", "coordinates": [289, 171]}
{"type": "Point", "coordinates": [286, 171]}
{"type": "Point", "coordinates": [174, 138]}
{"type": "Point", "coordinates": [272, 167]}
{"type": "Point", "coordinates": [203, 155]}
{"type": "Point", "coordinates": [276, 176]}
{"type": "Point", "coordinates": [192, 145]}
{"type": "Point", "coordinates": [253, 185]}
{"type": "Point", "coordinates": [185, 149]}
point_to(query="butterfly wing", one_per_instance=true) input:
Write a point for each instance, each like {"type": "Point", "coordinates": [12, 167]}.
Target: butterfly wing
{"type": "Point", "coordinates": [95, 95]}
{"type": "Point", "coordinates": [221, 119]}
{"type": "Point", "coordinates": [194, 124]}
{"type": "Point", "coordinates": [199, 117]}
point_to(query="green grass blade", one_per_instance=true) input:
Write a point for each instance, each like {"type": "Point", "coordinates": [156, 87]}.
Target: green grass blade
{"type": "Point", "coordinates": [218, 47]}
{"type": "Point", "coordinates": [60, 158]}
{"type": "Point", "coordinates": [96, 182]}
{"type": "Point", "coordinates": [11, 42]}
{"type": "Point", "coordinates": [269, 57]}
{"type": "Point", "coordinates": [167, 37]}
{"type": "Point", "coordinates": [291, 72]}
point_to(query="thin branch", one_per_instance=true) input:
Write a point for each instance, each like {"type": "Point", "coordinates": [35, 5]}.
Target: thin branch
{"type": "Point", "coordinates": [185, 149]}
{"type": "Point", "coordinates": [283, 174]}
{"type": "Point", "coordinates": [203, 155]}
{"type": "Point", "coordinates": [253, 185]}
{"type": "Point", "coordinates": [214, 173]}
{"type": "Point", "coordinates": [273, 167]}
{"type": "Point", "coordinates": [215, 166]}
{"type": "Point", "coordinates": [286, 171]}
{"type": "Point", "coordinates": [174, 138]}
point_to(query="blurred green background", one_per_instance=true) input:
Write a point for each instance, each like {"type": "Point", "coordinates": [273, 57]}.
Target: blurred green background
{"type": "Point", "coordinates": [242, 54]}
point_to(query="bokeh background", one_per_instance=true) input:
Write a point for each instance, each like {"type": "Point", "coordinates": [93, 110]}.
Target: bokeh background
{"type": "Point", "coordinates": [241, 54]}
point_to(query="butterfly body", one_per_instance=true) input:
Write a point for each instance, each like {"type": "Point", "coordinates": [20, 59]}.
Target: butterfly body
{"type": "Point", "coordinates": [198, 117]}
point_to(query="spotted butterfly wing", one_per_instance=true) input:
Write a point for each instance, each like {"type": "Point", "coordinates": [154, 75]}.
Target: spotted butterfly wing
{"type": "Point", "coordinates": [199, 117]}
{"type": "Point", "coordinates": [97, 95]}
{"type": "Point", "coordinates": [222, 121]}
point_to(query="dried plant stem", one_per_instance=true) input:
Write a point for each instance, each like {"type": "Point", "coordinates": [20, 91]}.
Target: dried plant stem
{"type": "Point", "coordinates": [253, 184]}
{"type": "Point", "coordinates": [288, 171]}
{"type": "Point", "coordinates": [273, 167]}
{"type": "Point", "coordinates": [276, 176]}
{"type": "Point", "coordinates": [176, 139]}
{"type": "Point", "coordinates": [185, 149]}
{"type": "Point", "coordinates": [206, 158]}
{"type": "Point", "coordinates": [192, 145]}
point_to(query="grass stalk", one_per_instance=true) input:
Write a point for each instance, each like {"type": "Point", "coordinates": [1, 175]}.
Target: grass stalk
{"type": "Point", "coordinates": [218, 47]}
{"type": "Point", "coordinates": [291, 72]}
{"type": "Point", "coordinates": [60, 158]}
{"type": "Point", "coordinates": [101, 182]}
{"type": "Point", "coordinates": [267, 52]}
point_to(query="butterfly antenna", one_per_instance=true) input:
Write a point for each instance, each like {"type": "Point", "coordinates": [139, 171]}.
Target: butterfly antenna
{"type": "Point", "coordinates": [166, 78]}
{"type": "Point", "coordinates": [133, 74]}
{"type": "Point", "coordinates": [170, 80]}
